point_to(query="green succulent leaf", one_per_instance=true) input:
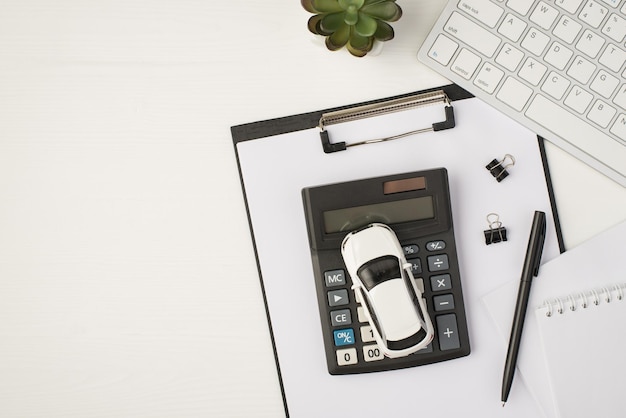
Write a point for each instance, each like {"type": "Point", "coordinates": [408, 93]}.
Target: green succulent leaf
{"type": "Point", "coordinates": [338, 39]}
{"type": "Point", "coordinates": [332, 22]}
{"type": "Point", "coordinates": [366, 26]}
{"type": "Point", "coordinates": [386, 10]}
{"type": "Point", "coordinates": [351, 4]}
{"type": "Point", "coordinates": [308, 6]}
{"type": "Point", "coordinates": [359, 46]}
{"type": "Point", "coordinates": [314, 25]}
{"type": "Point", "coordinates": [351, 17]}
{"type": "Point", "coordinates": [359, 42]}
{"type": "Point", "coordinates": [326, 6]}
{"type": "Point", "coordinates": [384, 32]}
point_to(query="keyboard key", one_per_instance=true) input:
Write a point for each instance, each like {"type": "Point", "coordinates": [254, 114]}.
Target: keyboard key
{"type": "Point", "coordinates": [544, 15]}
{"type": "Point", "coordinates": [581, 134]}
{"type": "Point", "coordinates": [604, 84]}
{"type": "Point", "coordinates": [520, 6]}
{"type": "Point", "coordinates": [615, 27]}
{"type": "Point", "coordinates": [488, 77]}
{"type": "Point", "coordinates": [509, 57]}
{"type": "Point", "coordinates": [472, 34]}
{"type": "Point", "coordinates": [593, 13]}
{"type": "Point", "coordinates": [619, 127]}
{"type": "Point", "coordinates": [483, 10]}
{"type": "Point", "coordinates": [443, 49]}
{"type": "Point", "coordinates": [601, 113]}
{"type": "Point", "coordinates": [465, 64]}
{"type": "Point", "coordinates": [578, 99]}
{"type": "Point", "coordinates": [620, 97]}
{"type": "Point", "coordinates": [555, 85]}
{"type": "Point", "coordinates": [532, 71]}
{"type": "Point", "coordinates": [590, 43]}
{"type": "Point", "coordinates": [569, 5]}
{"type": "Point", "coordinates": [514, 93]}
{"type": "Point", "coordinates": [558, 55]}
{"type": "Point", "coordinates": [567, 29]}
{"type": "Point", "coordinates": [613, 57]}
{"type": "Point", "coordinates": [512, 27]}
{"type": "Point", "coordinates": [581, 70]}
{"type": "Point", "coordinates": [535, 41]}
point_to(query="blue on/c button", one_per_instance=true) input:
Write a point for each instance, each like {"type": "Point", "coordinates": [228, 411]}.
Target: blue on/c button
{"type": "Point", "coordinates": [344, 337]}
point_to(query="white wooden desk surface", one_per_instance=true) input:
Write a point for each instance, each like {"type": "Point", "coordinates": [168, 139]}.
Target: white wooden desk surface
{"type": "Point", "coordinates": [128, 284]}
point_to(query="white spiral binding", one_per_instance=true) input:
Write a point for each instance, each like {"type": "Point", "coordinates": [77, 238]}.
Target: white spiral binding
{"type": "Point", "coordinates": [607, 294]}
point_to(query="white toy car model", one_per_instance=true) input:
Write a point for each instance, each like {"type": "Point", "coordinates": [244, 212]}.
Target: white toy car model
{"type": "Point", "coordinates": [383, 283]}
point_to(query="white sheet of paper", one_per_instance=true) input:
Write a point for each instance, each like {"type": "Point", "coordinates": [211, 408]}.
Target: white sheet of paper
{"type": "Point", "coordinates": [274, 171]}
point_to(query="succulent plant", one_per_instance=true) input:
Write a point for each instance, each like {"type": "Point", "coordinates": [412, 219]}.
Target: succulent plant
{"type": "Point", "coordinates": [355, 24]}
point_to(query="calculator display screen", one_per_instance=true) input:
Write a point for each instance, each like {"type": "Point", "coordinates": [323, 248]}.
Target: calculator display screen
{"type": "Point", "coordinates": [397, 211]}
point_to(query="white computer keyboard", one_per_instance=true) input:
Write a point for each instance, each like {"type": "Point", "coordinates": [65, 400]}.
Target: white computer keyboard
{"type": "Point", "coordinates": [556, 66]}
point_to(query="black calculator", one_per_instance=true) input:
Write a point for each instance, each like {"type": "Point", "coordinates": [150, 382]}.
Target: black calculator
{"type": "Point", "coordinates": [416, 206]}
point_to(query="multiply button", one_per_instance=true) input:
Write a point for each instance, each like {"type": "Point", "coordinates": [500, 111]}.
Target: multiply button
{"type": "Point", "coordinates": [438, 262]}
{"type": "Point", "coordinates": [440, 282]}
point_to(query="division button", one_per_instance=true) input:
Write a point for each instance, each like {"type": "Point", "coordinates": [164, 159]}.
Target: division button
{"type": "Point", "coordinates": [438, 262]}
{"type": "Point", "coordinates": [448, 332]}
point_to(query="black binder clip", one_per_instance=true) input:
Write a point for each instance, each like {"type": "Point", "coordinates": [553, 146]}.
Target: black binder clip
{"type": "Point", "coordinates": [498, 168]}
{"type": "Point", "coordinates": [496, 232]}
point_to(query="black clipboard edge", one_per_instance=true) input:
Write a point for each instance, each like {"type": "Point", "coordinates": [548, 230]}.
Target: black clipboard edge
{"type": "Point", "coordinates": [277, 126]}
{"type": "Point", "coordinates": [283, 125]}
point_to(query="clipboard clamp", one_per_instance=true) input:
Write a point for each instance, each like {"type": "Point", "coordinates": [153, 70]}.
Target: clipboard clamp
{"type": "Point", "coordinates": [382, 108]}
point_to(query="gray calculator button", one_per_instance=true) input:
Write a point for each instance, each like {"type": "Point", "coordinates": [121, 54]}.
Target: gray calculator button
{"type": "Point", "coordinates": [338, 297]}
{"type": "Point", "coordinates": [443, 302]}
{"type": "Point", "coordinates": [437, 245]}
{"type": "Point", "coordinates": [440, 282]}
{"type": "Point", "coordinates": [410, 249]}
{"type": "Point", "coordinates": [416, 265]}
{"type": "Point", "coordinates": [335, 278]}
{"type": "Point", "coordinates": [341, 317]}
{"type": "Point", "coordinates": [448, 332]}
{"type": "Point", "coordinates": [438, 262]}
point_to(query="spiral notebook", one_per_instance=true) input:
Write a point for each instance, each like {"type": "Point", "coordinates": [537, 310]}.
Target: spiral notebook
{"type": "Point", "coordinates": [584, 339]}
{"type": "Point", "coordinates": [573, 362]}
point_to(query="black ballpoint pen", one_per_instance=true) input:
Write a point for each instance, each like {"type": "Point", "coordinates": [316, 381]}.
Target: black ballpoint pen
{"type": "Point", "coordinates": [530, 270]}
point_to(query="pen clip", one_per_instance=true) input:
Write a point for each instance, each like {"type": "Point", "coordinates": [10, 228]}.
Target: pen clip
{"type": "Point", "coordinates": [541, 236]}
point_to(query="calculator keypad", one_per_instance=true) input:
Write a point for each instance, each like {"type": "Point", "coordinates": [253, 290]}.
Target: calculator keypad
{"type": "Point", "coordinates": [352, 335]}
